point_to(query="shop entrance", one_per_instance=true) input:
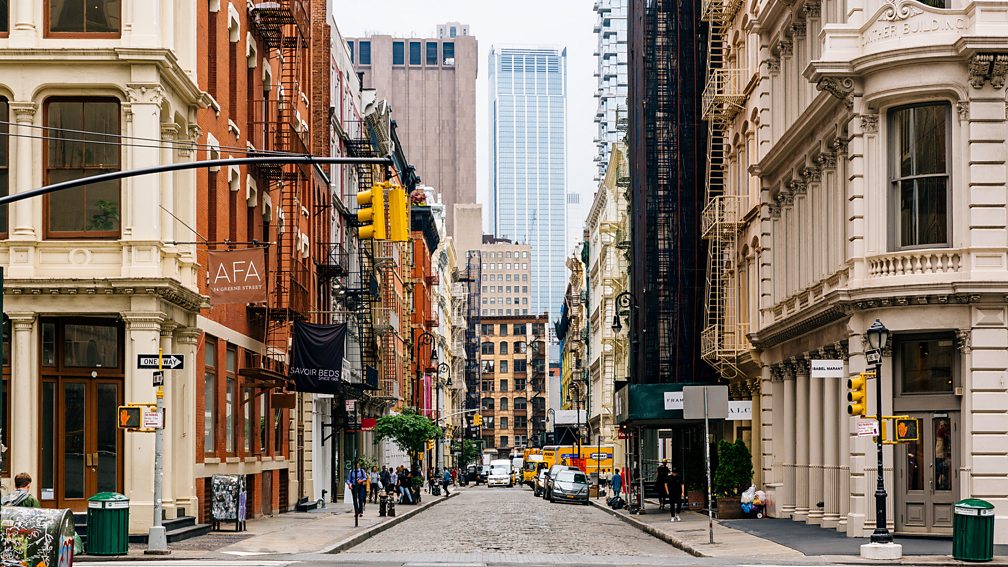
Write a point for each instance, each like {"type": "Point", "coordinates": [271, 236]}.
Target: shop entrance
{"type": "Point", "coordinates": [927, 485]}
{"type": "Point", "coordinates": [82, 387]}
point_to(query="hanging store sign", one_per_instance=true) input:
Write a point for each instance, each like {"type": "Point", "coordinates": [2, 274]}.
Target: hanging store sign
{"type": "Point", "coordinates": [827, 369]}
{"type": "Point", "coordinates": [317, 361]}
{"type": "Point", "coordinates": [673, 401]}
{"type": "Point", "coordinates": [739, 410]}
{"type": "Point", "coordinates": [237, 276]}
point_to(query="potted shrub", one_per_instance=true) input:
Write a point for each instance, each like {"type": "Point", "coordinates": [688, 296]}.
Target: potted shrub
{"type": "Point", "coordinates": [733, 476]}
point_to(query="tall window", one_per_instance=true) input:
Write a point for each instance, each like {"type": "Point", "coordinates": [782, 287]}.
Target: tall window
{"type": "Point", "coordinates": [4, 162]}
{"type": "Point", "coordinates": [210, 396]}
{"type": "Point", "coordinates": [926, 364]}
{"type": "Point", "coordinates": [212, 206]}
{"type": "Point", "coordinates": [247, 399]}
{"type": "Point", "coordinates": [920, 174]}
{"type": "Point", "coordinates": [212, 53]}
{"type": "Point", "coordinates": [92, 210]}
{"type": "Point", "coordinates": [448, 52]}
{"type": "Point", "coordinates": [233, 81]}
{"type": "Point", "coordinates": [80, 17]}
{"type": "Point", "coordinates": [5, 392]}
{"type": "Point", "coordinates": [365, 53]}
{"type": "Point", "coordinates": [503, 347]}
{"type": "Point", "coordinates": [414, 53]}
{"type": "Point", "coordinates": [503, 422]}
{"type": "Point", "coordinates": [398, 53]}
{"type": "Point", "coordinates": [503, 385]}
{"type": "Point", "coordinates": [432, 53]}
{"type": "Point", "coordinates": [503, 367]}
{"type": "Point", "coordinates": [350, 47]}
{"type": "Point", "coordinates": [229, 400]}
{"type": "Point", "coordinates": [503, 404]}
{"type": "Point", "coordinates": [503, 441]}
{"type": "Point", "coordinates": [4, 16]}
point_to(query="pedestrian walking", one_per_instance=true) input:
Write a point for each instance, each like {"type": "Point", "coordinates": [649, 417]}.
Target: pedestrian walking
{"type": "Point", "coordinates": [22, 495]}
{"type": "Point", "coordinates": [391, 480]}
{"type": "Point", "coordinates": [454, 475]}
{"type": "Point", "coordinates": [660, 478]}
{"type": "Point", "coordinates": [358, 480]}
{"type": "Point", "coordinates": [676, 492]}
{"type": "Point", "coordinates": [617, 483]}
{"type": "Point", "coordinates": [374, 482]}
{"type": "Point", "coordinates": [446, 481]}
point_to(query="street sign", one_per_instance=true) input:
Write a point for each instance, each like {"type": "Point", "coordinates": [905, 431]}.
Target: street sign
{"type": "Point", "coordinates": [151, 418]}
{"type": "Point", "coordinates": [140, 417]}
{"type": "Point", "coordinates": [168, 361]}
{"type": "Point", "coordinates": [827, 369]}
{"type": "Point", "coordinates": [717, 402]}
{"type": "Point", "coordinates": [158, 378]}
{"type": "Point", "coordinates": [874, 356]}
{"type": "Point", "coordinates": [867, 428]}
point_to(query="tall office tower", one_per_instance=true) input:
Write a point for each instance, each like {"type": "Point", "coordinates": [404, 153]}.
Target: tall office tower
{"type": "Point", "coordinates": [611, 71]}
{"type": "Point", "coordinates": [528, 161]}
{"type": "Point", "coordinates": [505, 277]}
{"type": "Point", "coordinates": [431, 85]}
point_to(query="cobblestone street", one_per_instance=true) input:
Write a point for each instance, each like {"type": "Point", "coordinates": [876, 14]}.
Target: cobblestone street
{"type": "Point", "coordinates": [503, 524]}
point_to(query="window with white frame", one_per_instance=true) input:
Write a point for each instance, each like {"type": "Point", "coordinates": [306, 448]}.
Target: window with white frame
{"type": "Point", "coordinates": [919, 172]}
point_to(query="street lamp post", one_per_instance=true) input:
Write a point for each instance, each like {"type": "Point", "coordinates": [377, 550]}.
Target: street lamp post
{"type": "Point", "coordinates": [438, 452]}
{"type": "Point", "coordinates": [551, 417]}
{"type": "Point", "coordinates": [575, 392]}
{"type": "Point", "coordinates": [536, 386]}
{"type": "Point", "coordinates": [878, 335]}
{"type": "Point", "coordinates": [627, 301]}
{"type": "Point", "coordinates": [425, 338]}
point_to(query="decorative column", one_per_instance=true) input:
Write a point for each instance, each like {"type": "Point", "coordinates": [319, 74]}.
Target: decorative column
{"type": "Point", "coordinates": [21, 219]}
{"type": "Point", "coordinates": [831, 441]}
{"type": "Point", "coordinates": [24, 395]}
{"type": "Point", "coordinates": [788, 509]}
{"type": "Point", "coordinates": [170, 402]}
{"type": "Point", "coordinates": [23, 33]}
{"type": "Point", "coordinates": [143, 336]}
{"type": "Point", "coordinates": [815, 471]}
{"type": "Point", "coordinates": [142, 198]}
{"type": "Point", "coordinates": [843, 426]}
{"type": "Point", "coordinates": [168, 134]}
{"type": "Point", "coordinates": [766, 424]}
{"type": "Point", "coordinates": [182, 389]}
{"type": "Point", "coordinates": [801, 438]}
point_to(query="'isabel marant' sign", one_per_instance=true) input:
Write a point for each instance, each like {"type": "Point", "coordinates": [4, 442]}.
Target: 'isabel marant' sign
{"type": "Point", "coordinates": [236, 276]}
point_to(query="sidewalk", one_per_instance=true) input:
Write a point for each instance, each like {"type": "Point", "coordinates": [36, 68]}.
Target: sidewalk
{"type": "Point", "coordinates": [778, 539]}
{"type": "Point", "coordinates": [326, 530]}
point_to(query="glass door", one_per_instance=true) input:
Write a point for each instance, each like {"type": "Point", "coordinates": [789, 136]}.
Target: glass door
{"type": "Point", "coordinates": [927, 483]}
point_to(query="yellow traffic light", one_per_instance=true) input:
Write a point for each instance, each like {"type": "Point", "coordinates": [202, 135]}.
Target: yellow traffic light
{"type": "Point", "coordinates": [477, 420]}
{"type": "Point", "coordinates": [372, 213]}
{"type": "Point", "coordinates": [856, 396]}
{"type": "Point", "coordinates": [398, 209]}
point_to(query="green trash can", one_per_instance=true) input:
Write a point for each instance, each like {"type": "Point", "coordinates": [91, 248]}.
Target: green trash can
{"type": "Point", "coordinates": [108, 524]}
{"type": "Point", "coordinates": [973, 530]}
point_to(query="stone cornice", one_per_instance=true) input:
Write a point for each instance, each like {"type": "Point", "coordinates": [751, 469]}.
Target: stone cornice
{"type": "Point", "coordinates": [168, 290]}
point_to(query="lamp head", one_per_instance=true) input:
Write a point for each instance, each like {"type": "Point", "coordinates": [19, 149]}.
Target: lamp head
{"type": "Point", "coordinates": [617, 325]}
{"type": "Point", "coordinates": [433, 354]}
{"type": "Point", "coordinates": [878, 335]}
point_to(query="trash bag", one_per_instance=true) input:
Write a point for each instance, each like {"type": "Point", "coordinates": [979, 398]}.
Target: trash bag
{"type": "Point", "coordinates": [746, 508]}
{"type": "Point", "coordinates": [347, 499]}
{"type": "Point", "coordinates": [749, 494]}
{"type": "Point", "coordinates": [761, 495]}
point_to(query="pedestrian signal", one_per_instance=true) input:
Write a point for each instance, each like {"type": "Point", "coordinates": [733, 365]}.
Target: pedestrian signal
{"type": "Point", "coordinates": [129, 417]}
{"type": "Point", "coordinates": [477, 420]}
{"type": "Point", "coordinates": [371, 215]}
{"type": "Point", "coordinates": [398, 211]}
{"type": "Point", "coordinates": [856, 396]}
{"type": "Point", "coordinates": [907, 429]}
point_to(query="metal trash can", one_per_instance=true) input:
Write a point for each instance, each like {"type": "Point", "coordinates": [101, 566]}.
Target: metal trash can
{"type": "Point", "coordinates": [973, 530]}
{"type": "Point", "coordinates": [108, 524]}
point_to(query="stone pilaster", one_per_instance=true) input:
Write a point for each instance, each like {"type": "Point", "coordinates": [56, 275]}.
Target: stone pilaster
{"type": "Point", "coordinates": [183, 392]}
{"type": "Point", "coordinates": [816, 450]}
{"type": "Point", "coordinates": [22, 219]}
{"type": "Point", "coordinates": [790, 426]}
{"type": "Point", "coordinates": [24, 395]}
{"type": "Point", "coordinates": [802, 438]}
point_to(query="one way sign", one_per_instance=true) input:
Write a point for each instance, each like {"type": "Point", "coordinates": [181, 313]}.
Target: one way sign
{"type": "Point", "coordinates": [169, 361]}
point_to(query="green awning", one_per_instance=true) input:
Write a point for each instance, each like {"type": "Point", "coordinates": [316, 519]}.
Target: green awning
{"type": "Point", "coordinates": [646, 404]}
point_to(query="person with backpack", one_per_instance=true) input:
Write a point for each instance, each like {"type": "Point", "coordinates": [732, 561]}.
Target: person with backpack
{"type": "Point", "coordinates": [22, 495]}
{"type": "Point", "coordinates": [617, 483]}
{"type": "Point", "coordinates": [446, 481]}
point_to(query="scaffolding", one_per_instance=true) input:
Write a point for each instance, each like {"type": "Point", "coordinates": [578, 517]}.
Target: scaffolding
{"type": "Point", "coordinates": [666, 148]}
{"type": "Point", "coordinates": [723, 340]}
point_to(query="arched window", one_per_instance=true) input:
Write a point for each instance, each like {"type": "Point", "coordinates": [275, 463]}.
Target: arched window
{"type": "Point", "coordinates": [503, 347]}
{"type": "Point", "coordinates": [503, 404]}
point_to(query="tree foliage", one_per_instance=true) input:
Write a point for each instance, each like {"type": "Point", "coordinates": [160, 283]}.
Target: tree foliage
{"type": "Point", "coordinates": [734, 470]}
{"type": "Point", "coordinates": [470, 451]}
{"type": "Point", "coordinates": [410, 430]}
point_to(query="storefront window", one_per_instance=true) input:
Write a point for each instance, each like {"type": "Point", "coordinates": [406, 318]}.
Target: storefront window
{"type": "Point", "coordinates": [210, 396]}
{"type": "Point", "coordinates": [942, 453]}
{"type": "Point", "coordinates": [229, 400]}
{"type": "Point", "coordinates": [926, 365]}
{"type": "Point", "coordinates": [48, 344]}
{"type": "Point", "coordinates": [90, 346]}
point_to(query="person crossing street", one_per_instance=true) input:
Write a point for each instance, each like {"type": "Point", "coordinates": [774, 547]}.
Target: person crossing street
{"type": "Point", "coordinates": [446, 481]}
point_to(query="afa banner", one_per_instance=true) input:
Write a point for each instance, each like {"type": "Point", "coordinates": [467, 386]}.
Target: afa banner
{"type": "Point", "coordinates": [237, 276]}
{"type": "Point", "coordinates": [317, 360]}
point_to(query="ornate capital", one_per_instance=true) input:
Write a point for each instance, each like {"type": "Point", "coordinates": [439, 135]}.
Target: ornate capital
{"type": "Point", "coordinates": [801, 365]}
{"type": "Point", "coordinates": [869, 123]}
{"type": "Point", "coordinates": [988, 66]}
{"type": "Point", "coordinates": [796, 187]}
{"type": "Point", "coordinates": [785, 198]}
{"type": "Point", "coordinates": [825, 161]}
{"type": "Point", "coordinates": [22, 321]}
{"type": "Point", "coordinates": [841, 88]}
{"type": "Point", "coordinates": [812, 8]}
{"type": "Point", "coordinates": [145, 93]}
{"type": "Point", "coordinates": [192, 134]}
{"type": "Point", "coordinates": [963, 109]}
{"type": "Point", "coordinates": [773, 65]}
{"type": "Point", "coordinates": [785, 47]}
{"type": "Point", "coordinates": [841, 350]}
{"type": "Point", "coordinates": [23, 111]}
{"type": "Point", "coordinates": [144, 321]}
{"type": "Point", "coordinates": [774, 209]}
{"type": "Point", "coordinates": [188, 335]}
{"type": "Point", "coordinates": [798, 28]}
{"type": "Point", "coordinates": [168, 131]}
{"type": "Point", "coordinates": [839, 146]}
{"type": "Point", "coordinates": [168, 328]}
{"type": "Point", "coordinates": [964, 340]}
{"type": "Point", "coordinates": [811, 174]}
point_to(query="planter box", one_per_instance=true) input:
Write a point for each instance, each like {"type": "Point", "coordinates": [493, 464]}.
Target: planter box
{"type": "Point", "coordinates": [696, 499]}
{"type": "Point", "coordinates": [729, 508]}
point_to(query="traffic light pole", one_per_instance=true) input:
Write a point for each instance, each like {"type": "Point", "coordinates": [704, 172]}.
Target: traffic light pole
{"type": "Point", "coordinates": [157, 539]}
{"type": "Point", "coordinates": [881, 533]}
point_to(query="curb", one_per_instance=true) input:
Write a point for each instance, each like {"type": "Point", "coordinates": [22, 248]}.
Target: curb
{"type": "Point", "coordinates": [671, 540]}
{"type": "Point", "coordinates": [341, 546]}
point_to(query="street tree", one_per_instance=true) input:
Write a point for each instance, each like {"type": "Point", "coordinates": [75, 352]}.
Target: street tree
{"type": "Point", "coordinates": [409, 430]}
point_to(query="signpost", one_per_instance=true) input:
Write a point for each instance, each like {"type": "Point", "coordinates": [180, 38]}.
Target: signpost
{"type": "Point", "coordinates": [158, 378]}
{"type": "Point", "coordinates": [706, 402]}
{"type": "Point", "coordinates": [159, 362]}
{"type": "Point", "coordinates": [874, 356]}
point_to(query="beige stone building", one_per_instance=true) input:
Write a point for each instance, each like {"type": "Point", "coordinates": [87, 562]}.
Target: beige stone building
{"type": "Point", "coordinates": [506, 276]}
{"type": "Point", "coordinates": [860, 146]}
{"type": "Point", "coordinates": [431, 84]}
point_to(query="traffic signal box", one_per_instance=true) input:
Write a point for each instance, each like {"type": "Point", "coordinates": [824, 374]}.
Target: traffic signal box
{"type": "Point", "coordinates": [372, 213]}
{"type": "Point", "coordinates": [857, 396]}
{"type": "Point", "coordinates": [398, 211]}
{"type": "Point", "coordinates": [907, 429]}
{"type": "Point", "coordinates": [478, 420]}
{"type": "Point", "coordinates": [129, 417]}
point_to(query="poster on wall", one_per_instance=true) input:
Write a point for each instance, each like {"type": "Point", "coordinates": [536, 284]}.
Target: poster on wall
{"type": "Point", "coordinates": [317, 360]}
{"type": "Point", "coordinates": [236, 276]}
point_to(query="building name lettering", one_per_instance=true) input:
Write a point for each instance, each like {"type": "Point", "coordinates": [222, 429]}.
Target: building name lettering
{"type": "Point", "coordinates": [912, 27]}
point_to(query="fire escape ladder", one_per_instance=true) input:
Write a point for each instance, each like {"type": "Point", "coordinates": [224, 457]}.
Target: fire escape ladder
{"type": "Point", "coordinates": [723, 339]}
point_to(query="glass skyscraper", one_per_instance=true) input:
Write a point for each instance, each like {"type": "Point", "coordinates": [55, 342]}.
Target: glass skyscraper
{"type": "Point", "coordinates": [528, 161]}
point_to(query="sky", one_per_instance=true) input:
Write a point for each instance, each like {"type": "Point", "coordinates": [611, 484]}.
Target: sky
{"type": "Point", "coordinates": [565, 23]}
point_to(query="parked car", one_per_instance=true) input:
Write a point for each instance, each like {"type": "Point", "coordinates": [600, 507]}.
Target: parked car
{"type": "Point", "coordinates": [500, 473]}
{"type": "Point", "coordinates": [570, 486]}
{"type": "Point", "coordinates": [539, 484]}
{"type": "Point", "coordinates": [550, 475]}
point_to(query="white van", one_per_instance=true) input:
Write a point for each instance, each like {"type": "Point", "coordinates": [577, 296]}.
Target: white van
{"type": "Point", "coordinates": [500, 473]}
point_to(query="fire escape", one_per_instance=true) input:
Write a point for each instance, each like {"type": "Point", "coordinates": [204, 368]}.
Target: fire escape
{"type": "Point", "coordinates": [724, 337]}
{"type": "Point", "coordinates": [473, 371]}
{"type": "Point", "coordinates": [283, 26]}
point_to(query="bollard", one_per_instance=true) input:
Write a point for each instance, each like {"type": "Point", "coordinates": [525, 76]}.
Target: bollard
{"type": "Point", "coordinates": [391, 505]}
{"type": "Point", "coordinates": [382, 503]}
